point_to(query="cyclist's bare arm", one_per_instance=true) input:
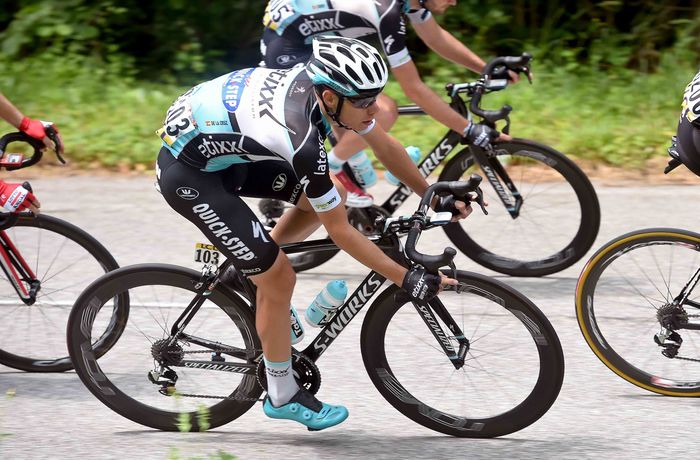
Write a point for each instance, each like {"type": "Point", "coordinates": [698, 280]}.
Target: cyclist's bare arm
{"type": "Point", "coordinates": [9, 112]}
{"type": "Point", "coordinates": [446, 45]}
{"type": "Point", "coordinates": [358, 246]}
{"type": "Point", "coordinates": [424, 97]}
{"type": "Point", "coordinates": [392, 154]}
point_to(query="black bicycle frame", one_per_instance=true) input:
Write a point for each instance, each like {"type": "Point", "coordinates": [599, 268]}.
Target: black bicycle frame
{"type": "Point", "coordinates": [492, 168]}
{"type": "Point", "coordinates": [342, 317]}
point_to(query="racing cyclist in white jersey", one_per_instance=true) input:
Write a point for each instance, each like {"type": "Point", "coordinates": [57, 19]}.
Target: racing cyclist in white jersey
{"type": "Point", "coordinates": [260, 132]}
{"type": "Point", "coordinates": [290, 25]}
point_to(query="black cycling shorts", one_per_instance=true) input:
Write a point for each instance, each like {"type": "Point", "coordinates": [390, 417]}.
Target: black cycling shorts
{"type": "Point", "coordinates": [212, 201]}
{"type": "Point", "coordinates": [279, 52]}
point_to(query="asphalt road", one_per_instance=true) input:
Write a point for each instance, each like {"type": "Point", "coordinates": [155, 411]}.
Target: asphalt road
{"type": "Point", "coordinates": [596, 415]}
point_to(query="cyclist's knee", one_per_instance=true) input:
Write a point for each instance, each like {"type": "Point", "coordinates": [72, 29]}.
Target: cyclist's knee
{"type": "Point", "coordinates": [276, 283]}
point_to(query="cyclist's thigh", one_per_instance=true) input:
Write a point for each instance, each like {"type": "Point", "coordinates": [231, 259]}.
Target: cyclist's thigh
{"type": "Point", "coordinates": [223, 217]}
{"type": "Point", "coordinates": [265, 179]}
{"type": "Point", "coordinates": [282, 53]}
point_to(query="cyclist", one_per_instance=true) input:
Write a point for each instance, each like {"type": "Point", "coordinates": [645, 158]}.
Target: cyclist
{"type": "Point", "coordinates": [286, 41]}
{"type": "Point", "coordinates": [686, 142]}
{"type": "Point", "coordinates": [260, 132]}
{"type": "Point", "coordinates": [15, 197]}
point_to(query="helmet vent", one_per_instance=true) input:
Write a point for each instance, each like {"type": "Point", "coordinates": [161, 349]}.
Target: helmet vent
{"type": "Point", "coordinates": [352, 73]}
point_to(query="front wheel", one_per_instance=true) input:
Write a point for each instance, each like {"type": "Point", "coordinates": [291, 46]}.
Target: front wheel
{"type": "Point", "coordinates": [64, 260]}
{"type": "Point", "coordinates": [198, 379]}
{"type": "Point", "coordinates": [632, 314]}
{"type": "Point", "coordinates": [557, 222]}
{"type": "Point", "coordinates": [512, 371]}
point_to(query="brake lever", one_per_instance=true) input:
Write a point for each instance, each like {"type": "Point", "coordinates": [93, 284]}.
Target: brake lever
{"type": "Point", "coordinates": [480, 200]}
{"type": "Point", "coordinates": [53, 135]}
{"type": "Point", "coordinates": [506, 128]}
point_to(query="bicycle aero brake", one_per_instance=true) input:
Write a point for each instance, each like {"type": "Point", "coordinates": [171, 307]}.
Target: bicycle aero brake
{"type": "Point", "coordinates": [544, 214]}
{"type": "Point", "coordinates": [48, 262]}
{"type": "Point", "coordinates": [188, 356]}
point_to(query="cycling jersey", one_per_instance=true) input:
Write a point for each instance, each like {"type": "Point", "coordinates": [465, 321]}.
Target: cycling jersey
{"type": "Point", "coordinates": [691, 101]}
{"type": "Point", "coordinates": [687, 142]}
{"type": "Point", "coordinates": [253, 132]}
{"type": "Point", "coordinates": [291, 24]}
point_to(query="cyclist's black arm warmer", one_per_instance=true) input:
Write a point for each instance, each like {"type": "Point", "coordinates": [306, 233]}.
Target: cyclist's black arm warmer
{"type": "Point", "coordinates": [392, 154]}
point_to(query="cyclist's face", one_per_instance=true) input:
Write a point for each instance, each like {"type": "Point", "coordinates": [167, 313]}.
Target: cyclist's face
{"type": "Point", "coordinates": [439, 6]}
{"type": "Point", "coordinates": [357, 118]}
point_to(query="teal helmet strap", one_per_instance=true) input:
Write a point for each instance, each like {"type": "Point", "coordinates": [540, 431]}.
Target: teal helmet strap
{"type": "Point", "coordinates": [335, 115]}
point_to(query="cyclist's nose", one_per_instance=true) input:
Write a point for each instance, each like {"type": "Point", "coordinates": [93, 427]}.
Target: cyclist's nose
{"type": "Point", "coordinates": [373, 109]}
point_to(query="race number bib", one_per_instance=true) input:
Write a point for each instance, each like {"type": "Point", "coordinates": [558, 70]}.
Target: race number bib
{"type": "Point", "coordinates": [179, 126]}
{"type": "Point", "coordinates": [691, 99]}
{"type": "Point", "coordinates": [206, 254]}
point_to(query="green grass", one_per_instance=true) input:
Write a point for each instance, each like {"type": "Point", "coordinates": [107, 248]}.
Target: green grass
{"type": "Point", "coordinates": [108, 118]}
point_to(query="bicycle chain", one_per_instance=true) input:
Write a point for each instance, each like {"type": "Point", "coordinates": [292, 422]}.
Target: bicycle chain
{"type": "Point", "coordinates": [229, 398]}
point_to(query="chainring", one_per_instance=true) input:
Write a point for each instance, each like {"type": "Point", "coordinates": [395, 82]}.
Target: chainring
{"type": "Point", "coordinates": [305, 371]}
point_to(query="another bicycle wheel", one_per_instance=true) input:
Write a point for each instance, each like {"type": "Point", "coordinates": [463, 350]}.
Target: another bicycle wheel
{"type": "Point", "coordinates": [511, 376]}
{"type": "Point", "coordinates": [558, 221]}
{"type": "Point", "coordinates": [65, 259]}
{"type": "Point", "coordinates": [624, 295]}
{"type": "Point", "coordinates": [203, 379]}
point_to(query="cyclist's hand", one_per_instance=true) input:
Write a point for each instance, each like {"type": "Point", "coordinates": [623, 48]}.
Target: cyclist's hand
{"type": "Point", "coordinates": [513, 77]}
{"type": "Point", "coordinates": [17, 198]}
{"type": "Point", "coordinates": [459, 209]}
{"type": "Point", "coordinates": [480, 135]}
{"type": "Point", "coordinates": [420, 285]}
{"type": "Point", "coordinates": [37, 130]}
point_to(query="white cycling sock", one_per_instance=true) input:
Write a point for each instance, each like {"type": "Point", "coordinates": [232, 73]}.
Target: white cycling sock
{"type": "Point", "coordinates": [281, 385]}
{"type": "Point", "coordinates": [334, 163]}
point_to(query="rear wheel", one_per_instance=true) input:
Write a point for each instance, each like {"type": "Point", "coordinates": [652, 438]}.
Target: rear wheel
{"type": "Point", "coordinates": [626, 303]}
{"type": "Point", "coordinates": [512, 372]}
{"type": "Point", "coordinates": [558, 221]}
{"type": "Point", "coordinates": [201, 379]}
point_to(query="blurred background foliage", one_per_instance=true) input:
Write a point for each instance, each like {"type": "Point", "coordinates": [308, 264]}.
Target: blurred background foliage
{"type": "Point", "coordinates": [608, 74]}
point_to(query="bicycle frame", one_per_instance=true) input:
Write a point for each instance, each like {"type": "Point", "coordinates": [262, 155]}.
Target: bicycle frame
{"type": "Point", "coordinates": [17, 270]}
{"type": "Point", "coordinates": [489, 164]}
{"type": "Point", "coordinates": [330, 332]}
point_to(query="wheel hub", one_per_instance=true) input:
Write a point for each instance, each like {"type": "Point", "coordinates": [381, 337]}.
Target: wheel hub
{"type": "Point", "coordinates": [167, 355]}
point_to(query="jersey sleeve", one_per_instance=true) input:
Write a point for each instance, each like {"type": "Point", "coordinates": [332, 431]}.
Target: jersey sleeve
{"type": "Point", "coordinates": [310, 164]}
{"type": "Point", "coordinates": [392, 34]}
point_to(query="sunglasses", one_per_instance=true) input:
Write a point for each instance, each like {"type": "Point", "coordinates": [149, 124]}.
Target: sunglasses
{"type": "Point", "coordinates": [362, 102]}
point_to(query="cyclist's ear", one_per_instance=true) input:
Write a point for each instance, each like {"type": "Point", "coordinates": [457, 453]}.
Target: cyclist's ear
{"type": "Point", "coordinates": [329, 97]}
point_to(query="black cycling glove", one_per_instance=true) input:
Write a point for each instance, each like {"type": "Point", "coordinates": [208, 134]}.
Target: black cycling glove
{"type": "Point", "coordinates": [420, 285]}
{"type": "Point", "coordinates": [447, 204]}
{"type": "Point", "coordinates": [480, 135]}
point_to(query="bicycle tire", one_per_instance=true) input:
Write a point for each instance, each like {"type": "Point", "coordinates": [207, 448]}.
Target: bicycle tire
{"type": "Point", "coordinates": [121, 381]}
{"type": "Point", "coordinates": [602, 276]}
{"type": "Point", "coordinates": [523, 318]}
{"type": "Point", "coordinates": [562, 252]}
{"type": "Point", "coordinates": [54, 313]}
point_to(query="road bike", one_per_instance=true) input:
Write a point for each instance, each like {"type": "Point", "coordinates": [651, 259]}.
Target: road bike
{"type": "Point", "coordinates": [638, 308]}
{"type": "Point", "coordinates": [544, 215]}
{"type": "Point", "coordinates": [479, 360]}
{"type": "Point", "coordinates": [46, 262]}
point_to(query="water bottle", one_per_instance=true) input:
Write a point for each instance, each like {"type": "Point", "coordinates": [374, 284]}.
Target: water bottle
{"type": "Point", "coordinates": [414, 153]}
{"type": "Point", "coordinates": [297, 328]}
{"type": "Point", "coordinates": [324, 305]}
{"type": "Point", "coordinates": [362, 168]}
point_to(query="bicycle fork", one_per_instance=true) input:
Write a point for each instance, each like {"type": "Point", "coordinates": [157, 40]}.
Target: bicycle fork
{"type": "Point", "coordinates": [425, 310]}
{"type": "Point", "coordinates": [18, 271]}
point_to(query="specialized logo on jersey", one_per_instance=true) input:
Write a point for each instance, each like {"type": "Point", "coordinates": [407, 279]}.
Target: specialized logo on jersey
{"type": "Point", "coordinates": [258, 231]}
{"type": "Point", "coordinates": [388, 41]}
{"type": "Point", "coordinates": [187, 193]}
{"type": "Point", "coordinates": [314, 26]}
{"type": "Point", "coordinates": [279, 182]}
{"type": "Point", "coordinates": [232, 90]}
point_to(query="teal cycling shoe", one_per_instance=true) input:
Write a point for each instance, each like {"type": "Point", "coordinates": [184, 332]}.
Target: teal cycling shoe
{"type": "Point", "coordinates": [307, 410]}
